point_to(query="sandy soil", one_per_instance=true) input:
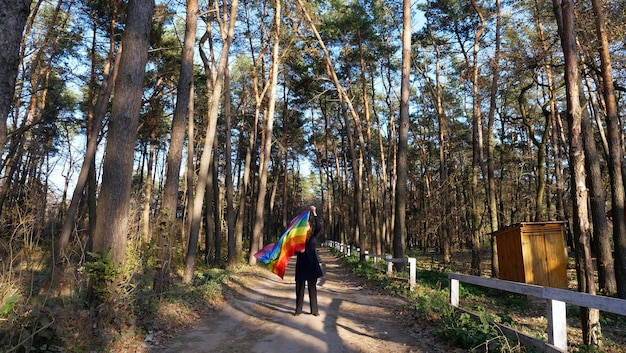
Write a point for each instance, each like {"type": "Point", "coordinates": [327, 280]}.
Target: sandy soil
{"type": "Point", "coordinates": [257, 317]}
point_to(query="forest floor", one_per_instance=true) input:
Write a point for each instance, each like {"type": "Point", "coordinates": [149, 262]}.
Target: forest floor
{"type": "Point", "coordinates": [254, 314]}
{"type": "Point", "coordinates": [257, 316]}
{"type": "Point", "coordinates": [527, 314]}
{"type": "Point", "coordinates": [249, 309]}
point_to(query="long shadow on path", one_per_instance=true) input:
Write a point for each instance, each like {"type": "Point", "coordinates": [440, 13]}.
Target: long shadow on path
{"type": "Point", "coordinates": [259, 317]}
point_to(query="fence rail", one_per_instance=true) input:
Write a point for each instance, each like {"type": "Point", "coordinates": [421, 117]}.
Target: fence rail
{"type": "Point", "coordinates": [556, 300]}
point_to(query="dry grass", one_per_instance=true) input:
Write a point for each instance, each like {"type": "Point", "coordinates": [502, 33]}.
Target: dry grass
{"type": "Point", "coordinates": [40, 308]}
{"type": "Point", "coordinates": [46, 309]}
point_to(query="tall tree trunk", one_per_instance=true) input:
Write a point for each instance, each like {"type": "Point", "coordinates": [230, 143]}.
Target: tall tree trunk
{"type": "Point", "coordinates": [399, 231]}
{"type": "Point", "coordinates": [491, 182]}
{"type": "Point", "coordinates": [212, 114]}
{"type": "Point", "coordinates": [330, 219]}
{"type": "Point", "coordinates": [615, 151]}
{"type": "Point", "coordinates": [285, 186]}
{"type": "Point", "coordinates": [216, 214]}
{"type": "Point", "coordinates": [384, 193]}
{"type": "Point", "coordinates": [244, 190]}
{"type": "Point", "coordinates": [266, 152]}
{"type": "Point", "coordinates": [597, 201]}
{"type": "Point", "coordinates": [477, 147]}
{"type": "Point", "coordinates": [552, 115]}
{"type": "Point", "coordinates": [366, 151]}
{"type": "Point", "coordinates": [146, 215]}
{"type": "Point", "coordinates": [557, 143]}
{"type": "Point", "coordinates": [445, 241]}
{"type": "Point", "coordinates": [601, 231]}
{"type": "Point", "coordinates": [14, 14]}
{"type": "Point", "coordinates": [191, 168]}
{"type": "Point", "coordinates": [209, 207]}
{"type": "Point", "coordinates": [564, 12]}
{"type": "Point", "coordinates": [169, 197]}
{"type": "Point", "coordinates": [228, 170]}
{"type": "Point", "coordinates": [114, 200]}
{"type": "Point", "coordinates": [346, 103]}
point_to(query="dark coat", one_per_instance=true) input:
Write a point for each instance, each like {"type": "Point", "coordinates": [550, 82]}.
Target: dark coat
{"type": "Point", "coordinates": [307, 263]}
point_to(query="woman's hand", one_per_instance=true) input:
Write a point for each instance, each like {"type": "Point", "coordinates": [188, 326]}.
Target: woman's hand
{"type": "Point", "coordinates": [313, 210]}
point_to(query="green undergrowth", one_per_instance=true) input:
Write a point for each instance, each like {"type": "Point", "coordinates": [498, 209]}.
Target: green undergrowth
{"type": "Point", "coordinates": [479, 332]}
{"type": "Point", "coordinates": [430, 299]}
{"type": "Point", "coordinates": [67, 322]}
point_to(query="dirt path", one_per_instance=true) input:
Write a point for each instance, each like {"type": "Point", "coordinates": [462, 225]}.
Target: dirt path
{"type": "Point", "coordinates": [354, 318]}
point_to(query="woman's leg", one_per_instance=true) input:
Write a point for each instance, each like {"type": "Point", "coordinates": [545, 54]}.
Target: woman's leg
{"type": "Point", "coordinates": [299, 296]}
{"type": "Point", "coordinates": [312, 284]}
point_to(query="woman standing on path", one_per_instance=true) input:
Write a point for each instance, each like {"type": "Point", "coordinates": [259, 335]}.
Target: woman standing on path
{"type": "Point", "coordinates": [308, 268]}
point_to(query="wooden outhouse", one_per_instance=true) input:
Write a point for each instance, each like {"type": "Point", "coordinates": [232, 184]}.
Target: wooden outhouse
{"type": "Point", "coordinates": [533, 253]}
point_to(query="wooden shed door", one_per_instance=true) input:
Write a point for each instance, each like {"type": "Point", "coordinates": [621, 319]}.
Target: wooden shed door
{"type": "Point", "coordinates": [535, 262]}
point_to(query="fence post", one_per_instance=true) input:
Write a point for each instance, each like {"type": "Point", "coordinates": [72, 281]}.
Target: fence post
{"type": "Point", "coordinates": [557, 324]}
{"type": "Point", "coordinates": [389, 265]}
{"type": "Point", "coordinates": [454, 292]}
{"type": "Point", "coordinates": [412, 265]}
{"type": "Point", "coordinates": [367, 256]}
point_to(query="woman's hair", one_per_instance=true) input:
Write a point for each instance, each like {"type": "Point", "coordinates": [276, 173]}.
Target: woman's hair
{"type": "Point", "coordinates": [309, 231]}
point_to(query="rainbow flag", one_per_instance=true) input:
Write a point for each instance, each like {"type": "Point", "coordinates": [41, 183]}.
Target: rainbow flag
{"type": "Point", "coordinates": [276, 255]}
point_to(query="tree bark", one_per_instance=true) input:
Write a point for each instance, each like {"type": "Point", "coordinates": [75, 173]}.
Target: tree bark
{"type": "Point", "coordinates": [244, 191]}
{"type": "Point", "coordinates": [228, 170]}
{"type": "Point", "coordinates": [615, 152]}
{"type": "Point", "coordinates": [209, 207]}
{"type": "Point", "coordinates": [205, 159]}
{"type": "Point", "coordinates": [266, 151]}
{"type": "Point", "coordinates": [491, 182]}
{"type": "Point", "coordinates": [114, 200]}
{"type": "Point", "coordinates": [399, 230]}
{"type": "Point", "coordinates": [145, 228]}
{"type": "Point", "coordinates": [590, 318]}
{"type": "Point", "coordinates": [13, 15]}
{"type": "Point", "coordinates": [169, 197]}
{"type": "Point", "coordinates": [597, 201]}
{"type": "Point", "coordinates": [601, 232]}
{"type": "Point", "coordinates": [477, 147]}
{"type": "Point", "coordinates": [216, 214]}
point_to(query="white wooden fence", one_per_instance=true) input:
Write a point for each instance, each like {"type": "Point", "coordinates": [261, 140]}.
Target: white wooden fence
{"type": "Point", "coordinates": [556, 299]}
{"type": "Point", "coordinates": [349, 250]}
